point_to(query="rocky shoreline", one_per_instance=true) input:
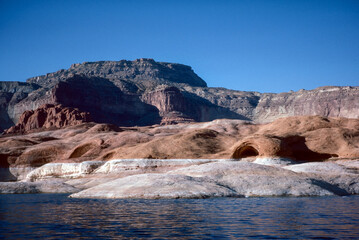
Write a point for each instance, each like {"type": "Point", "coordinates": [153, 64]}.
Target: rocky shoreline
{"type": "Point", "coordinates": [295, 156]}
{"type": "Point", "coordinates": [191, 178]}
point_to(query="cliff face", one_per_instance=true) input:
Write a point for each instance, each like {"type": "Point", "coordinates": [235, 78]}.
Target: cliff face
{"type": "Point", "coordinates": [145, 73]}
{"type": "Point", "coordinates": [324, 101]}
{"type": "Point", "coordinates": [266, 107]}
{"type": "Point", "coordinates": [49, 116]}
{"type": "Point", "coordinates": [11, 93]}
{"type": "Point", "coordinates": [145, 92]}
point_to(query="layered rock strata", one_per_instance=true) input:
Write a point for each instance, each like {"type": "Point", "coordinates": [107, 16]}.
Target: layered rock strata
{"type": "Point", "coordinates": [295, 156]}
{"type": "Point", "coordinates": [145, 92]}
{"type": "Point", "coordinates": [49, 116]}
{"type": "Point", "coordinates": [202, 179]}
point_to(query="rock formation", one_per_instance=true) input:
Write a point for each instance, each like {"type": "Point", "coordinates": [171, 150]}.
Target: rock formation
{"type": "Point", "coordinates": [144, 92]}
{"type": "Point", "coordinates": [298, 138]}
{"type": "Point", "coordinates": [294, 156]}
{"type": "Point", "coordinates": [49, 116]}
{"type": "Point", "coordinates": [11, 93]}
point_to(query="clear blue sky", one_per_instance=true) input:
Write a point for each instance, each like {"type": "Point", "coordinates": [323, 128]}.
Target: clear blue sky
{"type": "Point", "coordinates": [266, 46]}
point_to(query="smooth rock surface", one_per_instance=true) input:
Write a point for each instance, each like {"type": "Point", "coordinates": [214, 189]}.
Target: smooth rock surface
{"type": "Point", "coordinates": [63, 170]}
{"type": "Point", "coordinates": [226, 178]}
{"type": "Point", "coordinates": [250, 179]}
{"type": "Point", "coordinates": [49, 186]}
{"type": "Point", "coordinates": [157, 186]}
{"type": "Point", "coordinates": [122, 165]}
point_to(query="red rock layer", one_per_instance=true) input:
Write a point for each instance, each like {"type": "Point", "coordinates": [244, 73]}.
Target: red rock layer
{"type": "Point", "coordinates": [49, 116]}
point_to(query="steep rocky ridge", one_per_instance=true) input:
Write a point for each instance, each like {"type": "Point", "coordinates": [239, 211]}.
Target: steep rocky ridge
{"type": "Point", "coordinates": [145, 92]}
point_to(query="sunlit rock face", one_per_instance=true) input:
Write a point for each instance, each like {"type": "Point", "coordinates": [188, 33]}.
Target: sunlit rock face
{"type": "Point", "coordinates": [145, 92]}
{"type": "Point", "coordinates": [306, 138]}
{"type": "Point", "coordinates": [294, 156]}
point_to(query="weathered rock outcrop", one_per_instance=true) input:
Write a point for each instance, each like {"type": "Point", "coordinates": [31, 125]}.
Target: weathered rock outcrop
{"type": "Point", "coordinates": [136, 178]}
{"type": "Point", "coordinates": [306, 138]}
{"type": "Point", "coordinates": [297, 138]}
{"type": "Point", "coordinates": [12, 93]}
{"type": "Point", "coordinates": [222, 179]}
{"type": "Point", "coordinates": [145, 92]}
{"type": "Point", "coordinates": [104, 101]}
{"type": "Point", "coordinates": [144, 72]}
{"type": "Point", "coordinates": [49, 116]}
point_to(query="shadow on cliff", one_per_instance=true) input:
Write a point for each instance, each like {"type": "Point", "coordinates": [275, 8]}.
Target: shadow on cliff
{"type": "Point", "coordinates": [295, 147]}
{"type": "Point", "coordinates": [105, 101]}
{"type": "Point", "coordinates": [203, 110]}
{"type": "Point", "coordinates": [5, 174]}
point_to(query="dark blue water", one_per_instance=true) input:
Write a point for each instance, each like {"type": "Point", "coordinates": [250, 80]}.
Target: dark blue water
{"type": "Point", "coordinates": [54, 216]}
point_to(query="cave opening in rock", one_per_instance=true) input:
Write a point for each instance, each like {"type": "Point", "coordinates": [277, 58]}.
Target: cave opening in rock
{"type": "Point", "coordinates": [246, 151]}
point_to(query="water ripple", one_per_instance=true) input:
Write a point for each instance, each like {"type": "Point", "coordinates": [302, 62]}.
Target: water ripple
{"type": "Point", "coordinates": [54, 216]}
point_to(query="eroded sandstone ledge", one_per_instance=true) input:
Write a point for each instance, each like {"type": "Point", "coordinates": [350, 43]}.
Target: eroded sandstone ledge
{"type": "Point", "coordinates": [189, 178]}
{"type": "Point", "coordinates": [295, 156]}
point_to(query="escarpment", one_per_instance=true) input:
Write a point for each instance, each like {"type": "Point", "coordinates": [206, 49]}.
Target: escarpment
{"type": "Point", "coordinates": [145, 92]}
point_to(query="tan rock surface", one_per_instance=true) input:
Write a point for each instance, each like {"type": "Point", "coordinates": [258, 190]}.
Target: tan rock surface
{"type": "Point", "coordinates": [297, 138]}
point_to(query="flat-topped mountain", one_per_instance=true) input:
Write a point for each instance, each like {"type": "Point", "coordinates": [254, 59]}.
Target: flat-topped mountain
{"type": "Point", "coordinates": [141, 74]}
{"type": "Point", "coordinates": [145, 92]}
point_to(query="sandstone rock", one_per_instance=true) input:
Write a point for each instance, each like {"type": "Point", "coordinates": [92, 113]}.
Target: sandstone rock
{"type": "Point", "coordinates": [250, 179]}
{"type": "Point", "coordinates": [219, 139]}
{"type": "Point", "coordinates": [144, 92]}
{"type": "Point", "coordinates": [171, 104]}
{"type": "Point", "coordinates": [14, 173]}
{"type": "Point", "coordinates": [324, 101]}
{"type": "Point", "coordinates": [147, 72]}
{"type": "Point", "coordinates": [10, 94]}
{"type": "Point", "coordinates": [319, 167]}
{"type": "Point", "coordinates": [63, 170]}
{"type": "Point", "coordinates": [49, 116]}
{"type": "Point", "coordinates": [345, 179]}
{"type": "Point", "coordinates": [305, 138]}
{"type": "Point", "coordinates": [273, 161]}
{"type": "Point", "coordinates": [155, 186]}
{"type": "Point", "coordinates": [50, 186]}
{"type": "Point", "coordinates": [106, 102]}
{"type": "Point", "coordinates": [90, 181]}
{"type": "Point", "coordinates": [225, 178]}
{"type": "Point", "coordinates": [147, 165]}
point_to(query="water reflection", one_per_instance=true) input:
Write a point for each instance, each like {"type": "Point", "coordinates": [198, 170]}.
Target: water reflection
{"type": "Point", "coordinates": [55, 216]}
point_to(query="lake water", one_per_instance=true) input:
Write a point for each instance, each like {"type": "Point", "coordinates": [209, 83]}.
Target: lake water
{"type": "Point", "coordinates": [54, 216]}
